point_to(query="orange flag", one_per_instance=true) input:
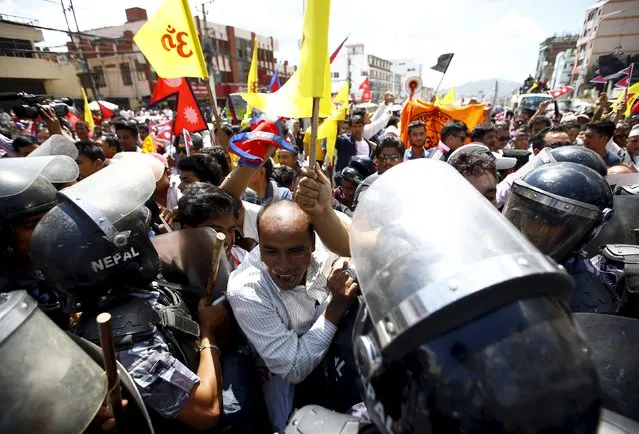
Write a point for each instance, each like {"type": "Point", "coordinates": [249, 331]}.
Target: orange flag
{"type": "Point", "coordinates": [435, 117]}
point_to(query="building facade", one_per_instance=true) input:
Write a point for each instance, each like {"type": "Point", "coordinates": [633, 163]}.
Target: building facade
{"type": "Point", "coordinates": [404, 69]}
{"type": "Point", "coordinates": [610, 27]}
{"type": "Point", "coordinates": [121, 74]}
{"type": "Point", "coordinates": [354, 64]}
{"type": "Point", "coordinates": [25, 68]}
{"type": "Point", "coordinates": [548, 51]}
{"type": "Point", "coordinates": [564, 64]}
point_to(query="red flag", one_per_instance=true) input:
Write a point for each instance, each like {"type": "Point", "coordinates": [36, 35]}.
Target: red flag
{"type": "Point", "coordinates": [164, 88]}
{"type": "Point", "coordinates": [366, 87]}
{"type": "Point", "coordinates": [162, 130]}
{"type": "Point", "coordinates": [188, 115]}
{"type": "Point", "coordinates": [563, 90]}
{"type": "Point", "coordinates": [336, 52]}
{"type": "Point", "coordinates": [635, 108]}
{"type": "Point", "coordinates": [624, 82]}
{"type": "Point", "coordinates": [105, 112]}
{"type": "Point", "coordinates": [599, 80]}
{"type": "Point", "coordinates": [73, 119]}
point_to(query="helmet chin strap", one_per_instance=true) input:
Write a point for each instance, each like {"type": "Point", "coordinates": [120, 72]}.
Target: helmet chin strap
{"type": "Point", "coordinates": [111, 234]}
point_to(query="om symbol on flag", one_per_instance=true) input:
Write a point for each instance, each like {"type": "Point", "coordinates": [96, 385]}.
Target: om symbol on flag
{"type": "Point", "coordinates": [168, 43]}
{"type": "Point", "coordinates": [254, 87]}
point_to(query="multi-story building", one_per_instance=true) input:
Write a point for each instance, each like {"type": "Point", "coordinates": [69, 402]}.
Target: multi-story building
{"type": "Point", "coordinates": [564, 64]}
{"type": "Point", "coordinates": [405, 68]}
{"type": "Point", "coordinates": [121, 74]}
{"type": "Point", "coordinates": [355, 64]}
{"type": "Point", "coordinates": [548, 51]}
{"type": "Point", "coordinates": [23, 67]}
{"type": "Point", "coordinates": [610, 27]}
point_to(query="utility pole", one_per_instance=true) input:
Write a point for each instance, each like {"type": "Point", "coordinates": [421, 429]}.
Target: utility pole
{"type": "Point", "coordinates": [84, 58]}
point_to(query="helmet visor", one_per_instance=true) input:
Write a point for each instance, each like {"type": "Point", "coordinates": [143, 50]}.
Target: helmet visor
{"type": "Point", "coordinates": [522, 368]}
{"type": "Point", "coordinates": [555, 225]}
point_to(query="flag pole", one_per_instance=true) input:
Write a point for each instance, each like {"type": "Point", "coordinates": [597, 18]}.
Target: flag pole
{"type": "Point", "coordinates": [440, 83]}
{"type": "Point", "coordinates": [216, 114]}
{"type": "Point", "coordinates": [314, 131]}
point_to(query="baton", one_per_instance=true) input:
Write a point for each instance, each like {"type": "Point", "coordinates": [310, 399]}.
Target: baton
{"type": "Point", "coordinates": [218, 248]}
{"type": "Point", "coordinates": [114, 395]}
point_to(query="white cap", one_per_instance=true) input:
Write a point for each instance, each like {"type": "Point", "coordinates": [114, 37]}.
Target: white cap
{"type": "Point", "coordinates": [391, 130]}
{"type": "Point", "coordinates": [501, 162]}
{"type": "Point", "coordinates": [634, 131]}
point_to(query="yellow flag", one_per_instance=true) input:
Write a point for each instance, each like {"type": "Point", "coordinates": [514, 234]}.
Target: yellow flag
{"type": "Point", "coordinates": [314, 50]}
{"type": "Point", "coordinates": [170, 43]}
{"type": "Point", "coordinates": [329, 129]}
{"type": "Point", "coordinates": [148, 145]}
{"type": "Point", "coordinates": [252, 83]}
{"type": "Point", "coordinates": [88, 118]}
{"type": "Point", "coordinates": [449, 98]}
{"type": "Point", "coordinates": [287, 101]}
{"type": "Point", "coordinates": [533, 87]}
{"type": "Point", "coordinates": [631, 103]}
{"type": "Point", "coordinates": [340, 102]}
{"type": "Point", "coordinates": [634, 89]}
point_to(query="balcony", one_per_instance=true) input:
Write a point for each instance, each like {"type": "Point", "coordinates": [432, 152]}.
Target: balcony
{"type": "Point", "coordinates": [35, 66]}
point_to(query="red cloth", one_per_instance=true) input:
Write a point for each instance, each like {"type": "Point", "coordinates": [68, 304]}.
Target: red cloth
{"type": "Point", "coordinates": [165, 88]}
{"type": "Point", "coordinates": [188, 115]}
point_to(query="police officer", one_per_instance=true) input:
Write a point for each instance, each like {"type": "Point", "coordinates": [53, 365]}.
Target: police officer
{"type": "Point", "coordinates": [462, 331]}
{"type": "Point", "coordinates": [560, 207]}
{"type": "Point", "coordinates": [94, 247]}
{"type": "Point", "coordinates": [26, 194]}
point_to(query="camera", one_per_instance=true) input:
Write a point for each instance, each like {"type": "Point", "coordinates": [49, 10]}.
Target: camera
{"type": "Point", "coordinates": [32, 105]}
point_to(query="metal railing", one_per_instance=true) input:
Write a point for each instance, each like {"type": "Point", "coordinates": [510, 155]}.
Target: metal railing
{"type": "Point", "coordinates": [19, 20]}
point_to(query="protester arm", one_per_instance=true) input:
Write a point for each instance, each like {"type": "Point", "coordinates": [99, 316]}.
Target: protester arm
{"type": "Point", "coordinates": [238, 180]}
{"type": "Point", "coordinates": [379, 112]}
{"type": "Point", "coordinates": [603, 101]}
{"type": "Point", "coordinates": [204, 406]}
{"type": "Point", "coordinates": [375, 126]}
{"type": "Point", "coordinates": [314, 195]}
{"type": "Point", "coordinates": [540, 111]}
{"type": "Point", "coordinates": [285, 353]}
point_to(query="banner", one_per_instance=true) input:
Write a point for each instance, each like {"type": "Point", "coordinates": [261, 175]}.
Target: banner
{"type": "Point", "coordinates": [435, 117]}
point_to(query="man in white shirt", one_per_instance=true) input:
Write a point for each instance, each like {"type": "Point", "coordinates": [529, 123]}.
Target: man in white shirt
{"type": "Point", "coordinates": [285, 296]}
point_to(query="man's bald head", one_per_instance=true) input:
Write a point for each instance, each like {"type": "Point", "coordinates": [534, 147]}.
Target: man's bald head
{"type": "Point", "coordinates": [619, 170]}
{"type": "Point", "coordinates": [287, 242]}
{"type": "Point", "coordinates": [283, 216]}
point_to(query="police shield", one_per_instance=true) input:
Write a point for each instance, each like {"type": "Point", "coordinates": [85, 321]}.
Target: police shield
{"type": "Point", "coordinates": [142, 159]}
{"type": "Point", "coordinates": [57, 144]}
{"type": "Point", "coordinates": [17, 174]}
{"type": "Point", "coordinates": [47, 383]}
{"type": "Point", "coordinates": [185, 257]}
{"type": "Point", "coordinates": [613, 345]}
{"type": "Point", "coordinates": [623, 226]}
{"type": "Point", "coordinates": [427, 266]}
{"type": "Point", "coordinates": [113, 193]}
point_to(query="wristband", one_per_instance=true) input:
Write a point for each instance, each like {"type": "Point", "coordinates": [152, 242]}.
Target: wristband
{"type": "Point", "coordinates": [204, 347]}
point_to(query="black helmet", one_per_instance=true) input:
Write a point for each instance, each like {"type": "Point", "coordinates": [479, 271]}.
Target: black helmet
{"type": "Point", "coordinates": [352, 174]}
{"type": "Point", "coordinates": [38, 197]}
{"type": "Point", "coordinates": [560, 207]}
{"type": "Point", "coordinates": [580, 155]}
{"type": "Point", "coordinates": [97, 238]}
{"type": "Point", "coordinates": [364, 165]}
{"type": "Point", "coordinates": [483, 346]}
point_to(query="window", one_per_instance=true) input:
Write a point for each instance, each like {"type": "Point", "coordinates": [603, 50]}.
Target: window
{"type": "Point", "coordinates": [125, 72]}
{"type": "Point", "coordinates": [336, 75]}
{"type": "Point", "coordinates": [98, 76]}
{"type": "Point", "coordinates": [364, 73]}
{"type": "Point", "coordinates": [16, 48]}
{"type": "Point", "coordinates": [139, 71]}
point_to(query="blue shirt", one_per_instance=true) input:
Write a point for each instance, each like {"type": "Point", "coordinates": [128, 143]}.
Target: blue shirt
{"type": "Point", "coordinates": [611, 159]}
{"type": "Point", "coordinates": [410, 155]}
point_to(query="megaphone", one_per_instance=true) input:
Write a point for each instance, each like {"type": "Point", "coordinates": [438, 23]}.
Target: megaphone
{"type": "Point", "coordinates": [412, 85]}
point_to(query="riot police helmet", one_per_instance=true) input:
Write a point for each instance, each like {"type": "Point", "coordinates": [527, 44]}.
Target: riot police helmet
{"type": "Point", "coordinates": [580, 155]}
{"type": "Point", "coordinates": [363, 164]}
{"type": "Point", "coordinates": [97, 238]}
{"type": "Point", "coordinates": [465, 330]}
{"type": "Point", "coordinates": [560, 207]}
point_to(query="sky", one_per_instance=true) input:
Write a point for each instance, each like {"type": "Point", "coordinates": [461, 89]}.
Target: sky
{"type": "Point", "coordinates": [490, 38]}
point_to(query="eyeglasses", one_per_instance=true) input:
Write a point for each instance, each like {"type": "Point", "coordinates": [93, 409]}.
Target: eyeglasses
{"type": "Point", "coordinates": [393, 157]}
{"type": "Point", "coordinates": [559, 144]}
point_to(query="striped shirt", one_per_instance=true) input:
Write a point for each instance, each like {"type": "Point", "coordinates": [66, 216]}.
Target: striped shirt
{"type": "Point", "coordinates": [283, 326]}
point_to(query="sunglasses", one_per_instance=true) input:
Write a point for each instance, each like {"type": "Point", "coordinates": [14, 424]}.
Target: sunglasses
{"type": "Point", "coordinates": [559, 144]}
{"type": "Point", "coordinates": [393, 157]}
